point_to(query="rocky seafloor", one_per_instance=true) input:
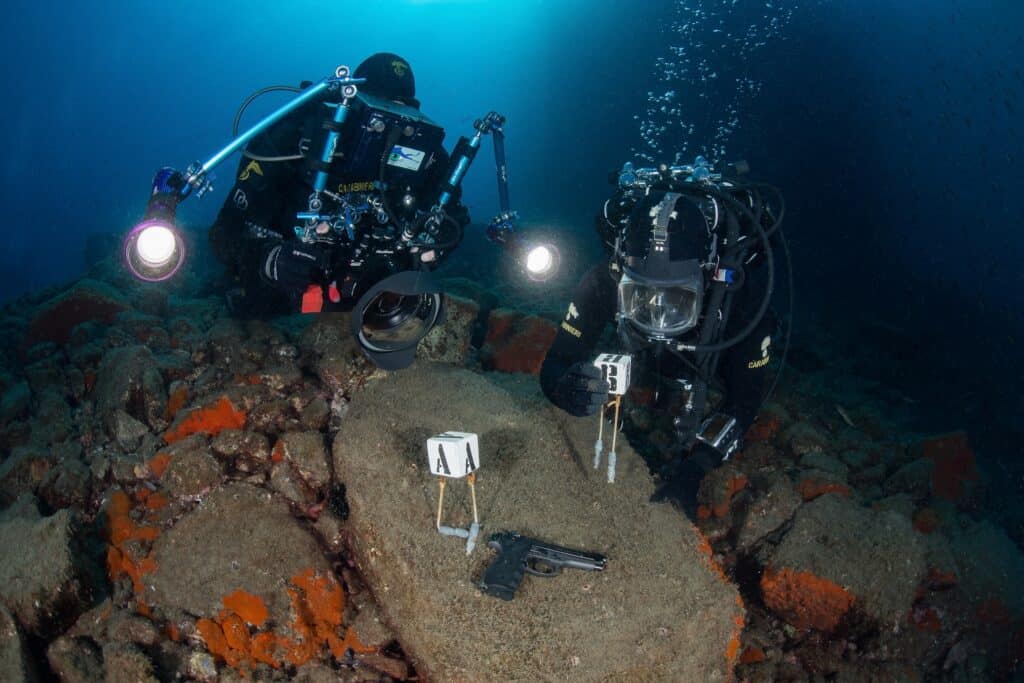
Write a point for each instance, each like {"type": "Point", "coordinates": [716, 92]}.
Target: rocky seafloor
{"type": "Point", "coordinates": [170, 508]}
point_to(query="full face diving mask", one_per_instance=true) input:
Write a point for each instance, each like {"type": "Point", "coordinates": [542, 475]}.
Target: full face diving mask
{"type": "Point", "coordinates": [661, 309]}
{"type": "Point", "coordinates": [660, 298]}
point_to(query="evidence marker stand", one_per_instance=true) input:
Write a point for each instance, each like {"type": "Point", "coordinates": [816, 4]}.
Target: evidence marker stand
{"type": "Point", "coordinates": [614, 369]}
{"type": "Point", "coordinates": [455, 455]}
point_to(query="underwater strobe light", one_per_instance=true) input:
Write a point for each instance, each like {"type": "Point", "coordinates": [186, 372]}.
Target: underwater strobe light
{"type": "Point", "coordinates": [154, 249]}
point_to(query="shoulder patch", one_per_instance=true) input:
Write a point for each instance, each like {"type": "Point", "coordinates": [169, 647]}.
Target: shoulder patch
{"type": "Point", "coordinates": [253, 167]}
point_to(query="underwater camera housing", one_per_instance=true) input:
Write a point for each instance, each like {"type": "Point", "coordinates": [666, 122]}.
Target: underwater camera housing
{"type": "Point", "coordinates": [383, 135]}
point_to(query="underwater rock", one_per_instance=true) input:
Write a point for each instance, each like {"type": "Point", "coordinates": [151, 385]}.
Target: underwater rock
{"type": "Point", "coordinates": [75, 660]}
{"type": "Point", "coordinates": [900, 503]}
{"type": "Point", "coordinates": [660, 611]}
{"type": "Point", "coordinates": [991, 571]}
{"type": "Point", "coordinates": [768, 511]}
{"type": "Point", "coordinates": [125, 663]}
{"type": "Point", "coordinates": [826, 463]}
{"type": "Point", "coordinates": [68, 484]}
{"type": "Point", "coordinates": [190, 469]}
{"type": "Point", "coordinates": [516, 342]}
{"type": "Point", "coordinates": [875, 557]}
{"type": "Point", "coordinates": [316, 414]}
{"type": "Point", "coordinates": [955, 477]}
{"type": "Point", "coordinates": [15, 663]}
{"type": "Point", "coordinates": [238, 537]}
{"type": "Point", "coordinates": [45, 375]}
{"type": "Point", "coordinates": [49, 581]}
{"type": "Point", "coordinates": [23, 471]}
{"type": "Point", "coordinates": [802, 438]}
{"type": "Point", "coordinates": [279, 377]}
{"type": "Point", "coordinates": [126, 627]}
{"type": "Point", "coordinates": [234, 445]}
{"type": "Point", "coordinates": [914, 478]}
{"type": "Point", "coordinates": [14, 402]}
{"type": "Point", "coordinates": [129, 379]}
{"type": "Point", "coordinates": [87, 300]}
{"type": "Point", "coordinates": [52, 418]}
{"type": "Point", "coordinates": [718, 489]}
{"type": "Point", "coordinates": [126, 430]}
{"type": "Point", "coordinates": [306, 452]}
{"type": "Point", "coordinates": [815, 483]}
{"type": "Point", "coordinates": [369, 621]}
{"type": "Point", "coordinates": [450, 342]}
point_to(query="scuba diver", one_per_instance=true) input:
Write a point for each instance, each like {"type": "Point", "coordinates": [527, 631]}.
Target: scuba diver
{"type": "Point", "coordinates": [388, 169]}
{"type": "Point", "coordinates": [345, 199]}
{"type": "Point", "coordinates": [688, 283]}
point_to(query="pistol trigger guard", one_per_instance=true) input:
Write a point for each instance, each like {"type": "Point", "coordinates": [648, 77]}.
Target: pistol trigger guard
{"type": "Point", "coordinates": [553, 569]}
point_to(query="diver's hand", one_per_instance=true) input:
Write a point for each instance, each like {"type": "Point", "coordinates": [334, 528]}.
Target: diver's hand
{"type": "Point", "coordinates": [680, 478]}
{"type": "Point", "coordinates": [292, 266]}
{"type": "Point", "coordinates": [581, 390]}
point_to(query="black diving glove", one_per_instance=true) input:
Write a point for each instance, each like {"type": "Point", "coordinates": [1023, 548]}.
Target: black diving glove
{"type": "Point", "coordinates": [682, 476]}
{"type": "Point", "coordinates": [292, 266]}
{"type": "Point", "coordinates": [581, 390]}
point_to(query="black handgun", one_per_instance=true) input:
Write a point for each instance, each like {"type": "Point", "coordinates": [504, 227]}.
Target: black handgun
{"type": "Point", "coordinates": [518, 554]}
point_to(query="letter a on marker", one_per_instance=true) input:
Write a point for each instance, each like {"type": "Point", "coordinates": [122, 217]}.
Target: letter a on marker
{"type": "Point", "coordinates": [442, 464]}
{"type": "Point", "coordinates": [470, 465]}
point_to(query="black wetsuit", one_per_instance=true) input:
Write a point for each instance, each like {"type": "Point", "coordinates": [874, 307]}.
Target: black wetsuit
{"type": "Point", "coordinates": [266, 196]}
{"type": "Point", "coordinates": [743, 368]}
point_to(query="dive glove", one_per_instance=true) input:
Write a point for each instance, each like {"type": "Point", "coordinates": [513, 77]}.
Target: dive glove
{"type": "Point", "coordinates": [581, 390]}
{"type": "Point", "coordinates": [681, 478]}
{"type": "Point", "coordinates": [292, 267]}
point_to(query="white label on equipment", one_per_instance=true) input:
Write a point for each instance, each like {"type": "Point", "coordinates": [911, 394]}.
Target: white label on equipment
{"type": "Point", "coordinates": [406, 157]}
{"type": "Point", "coordinates": [453, 454]}
{"type": "Point", "coordinates": [614, 368]}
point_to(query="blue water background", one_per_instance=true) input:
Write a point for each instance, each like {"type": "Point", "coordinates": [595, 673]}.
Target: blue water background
{"type": "Point", "coordinates": [893, 127]}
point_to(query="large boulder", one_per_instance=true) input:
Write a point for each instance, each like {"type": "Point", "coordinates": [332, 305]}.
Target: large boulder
{"type": "Point", "coordinates": [87, 300]}
{"type": "Point", "coordinates": [46, 577]}
{"type": "Point", "coordinates": [239, 537]}
{"type": "Point", "coordinates": [660, 611]}
{"type": "Point", "coordinates": [516, 342]}
{"type": "Point", "coordinates": [838, 555]}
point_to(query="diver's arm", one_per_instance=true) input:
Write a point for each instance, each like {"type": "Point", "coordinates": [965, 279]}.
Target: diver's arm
{"type": "Point", "coordinates": [744, 367]}
{"type": "Point", "coordinates": [591, 309]}
{"type": "Point", "coordinates": [253, 204]}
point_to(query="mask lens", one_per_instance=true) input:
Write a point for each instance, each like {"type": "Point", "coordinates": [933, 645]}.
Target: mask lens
{"type": "Point", "coordinates": [659, 309]}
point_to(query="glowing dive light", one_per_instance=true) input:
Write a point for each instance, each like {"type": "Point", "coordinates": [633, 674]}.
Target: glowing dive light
{"type": "Point", "coordinates": [154, 249]}
{"type": "Point", "coordinates": [541, 262]}
{"type": "Point", "coordinates": [156, 245]}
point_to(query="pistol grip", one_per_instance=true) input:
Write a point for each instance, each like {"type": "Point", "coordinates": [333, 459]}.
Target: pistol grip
{"type": "Point", "coordinates": [503, 576]}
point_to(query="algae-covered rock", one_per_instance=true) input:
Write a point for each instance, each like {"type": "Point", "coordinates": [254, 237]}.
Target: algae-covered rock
{"type": "Point", "coordinates": [23, 471]}
{"type": "Point", "coordinates": [768, 511]}
{"type": "Point", "coordinates": [129, 379]}
{"type": "Point", "coordinates": [876, 557]}
{"type": "Point", "coordinates": [46, 578]}
{"type": "Point", "coordinates": [239, 537]}
{"type": "Point", "coordinates": [191, 470]}
{"type": "Point", "coordinates": [659, 611]}
{"type": "Point", "coordinates": [75, 660]}
{"type": "Point", "coordinates": [125, 663]}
